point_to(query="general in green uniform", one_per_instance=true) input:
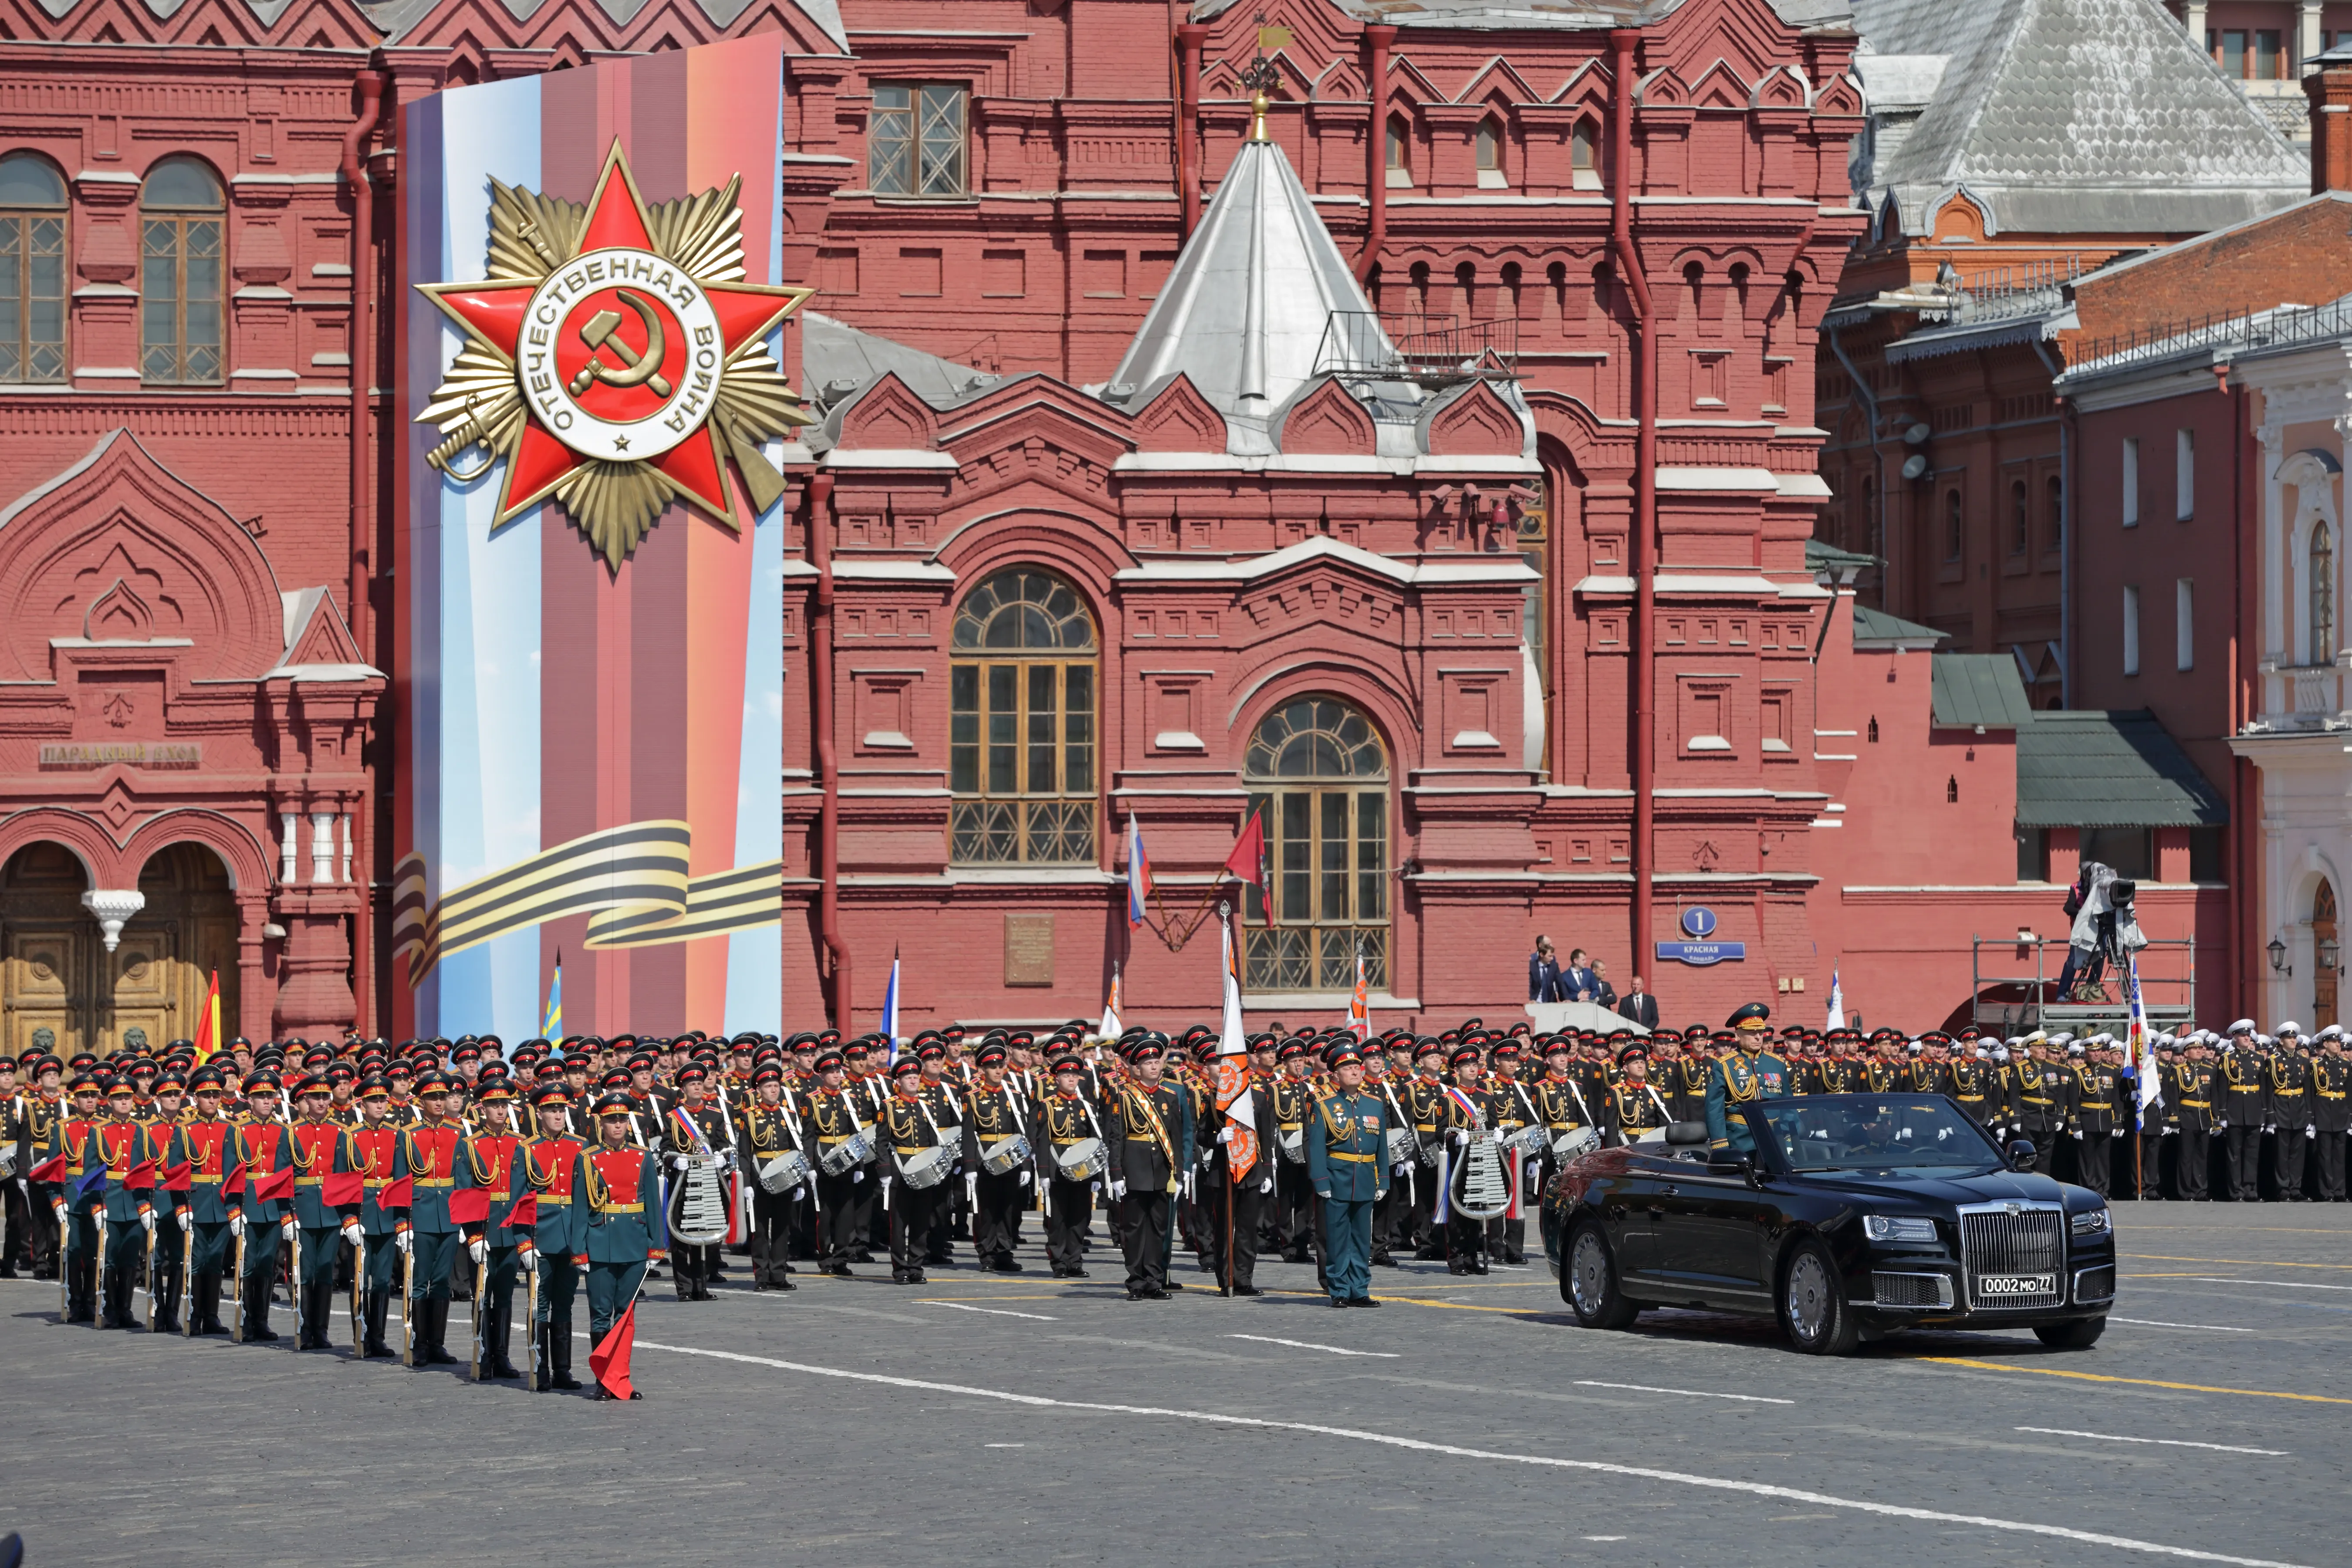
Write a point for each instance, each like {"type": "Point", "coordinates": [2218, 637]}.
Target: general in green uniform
{"type": "Point", "coordinates": [1347, 1140]}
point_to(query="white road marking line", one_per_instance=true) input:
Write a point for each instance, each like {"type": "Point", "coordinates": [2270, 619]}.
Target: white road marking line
{"type": "Point", "coordinates": [1454, 1450]}
{"type": "Point", "coordinates": [1008, 1445]}
{"type": "Point", "coordinates": [1304, 1345]}
{"type": "Point", "coordinates": [991, 1312]}
{"type": "Point", "coordinates": [2167, 1442]}
{"type": "Point", "coordinates": [2273, 1284]}
{"type": "Point", "coordinates": [1604, 1538]}
{"type": "Point", "coordinates": [2154, 1324]}
{"type": "Point", "coordinates": [1691, 1393]}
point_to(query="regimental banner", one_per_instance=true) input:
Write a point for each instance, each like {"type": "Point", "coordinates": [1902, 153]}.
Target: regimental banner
{"type": "Point", "coordinates": [589, 552]}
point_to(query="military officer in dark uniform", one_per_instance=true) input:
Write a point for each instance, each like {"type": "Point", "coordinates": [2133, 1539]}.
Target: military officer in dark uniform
{"type": "Point", "coordinates": [2290, 1111]}
{"type": "Point", "coordinates": [1469, 1110]}
{"type": "Point", "coordinates": [911, 1128]}
{"type": "Point", "coordinates": [994, 1111]}
{"type": "Point", "coordinates": [1294, 1194]}
{"type": "Point", "coordinates": [1067, 1120]}
{"type": "Point", "coordinates": [2094, 1121]}
{"type": "Point", "coordinates": [549, 1161]}
{"type": "Point", "coordinates": [2189, 1092]}
{"type": "Point", "coordinates": [2244, 1086]}
{"type": "Point", "coordinates": [1252, 1185]}
{"type": "Point", "coordinates": [1148, 1126]}
{"type": "Point", "coordinates": [2039, 1101]}
{"type": "Point", "coordinates": [1634, 1107]}
{"type": "Point", "coordinates": [2331, 1113]}
{"type": "Point", "coordinates": [831, 1114]}
{"type": "Point", "coordinates": [1424, 1104]}
{"type": "Point", "coordinates": [767, 1128]}
{"type": "Point", "coordinates": [1347, 1158]}
{"type": "Point", "coordinates": [1746, 1070]}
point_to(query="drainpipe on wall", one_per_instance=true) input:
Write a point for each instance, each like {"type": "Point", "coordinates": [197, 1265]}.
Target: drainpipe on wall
{"type": "Point", "coordinates": [371, 85]}
{"type": "Point", "coordinates": [1379, 38]}
{"type": "Point", "coordinates": [2243, 777]}
{"type": "Point", "coordinates": [829, 758]}
{"type": "Point", "coordinates": [1190, 37]}
{"type": "Point", "coordinates": [1622, 45]}
{"type": "Point", "coordinates": [1869, 396]}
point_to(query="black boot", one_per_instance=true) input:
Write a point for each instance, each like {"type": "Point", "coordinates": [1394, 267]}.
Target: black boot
{"type": "Point", "coordinates": [494, 1343]}
{"type": "Point", "coordinates": [558, 1342]}
{"type": "Point", "coordinates": [379, 1304]}
{"type": "Point", "coordinates": [429, 1348]}
{"type": "Point", "coordinates": [205, 1308]}
{"type": "Point", "coordinates": [257, 1312]}
{"type": "Point", "coordinates": [319, 1305]}
{"type": "Point", "coordinates": [167, 1313]}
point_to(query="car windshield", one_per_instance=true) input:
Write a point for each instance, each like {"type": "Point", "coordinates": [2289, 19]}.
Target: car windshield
{"type": "Point", "coordinates": [1874, 1133]}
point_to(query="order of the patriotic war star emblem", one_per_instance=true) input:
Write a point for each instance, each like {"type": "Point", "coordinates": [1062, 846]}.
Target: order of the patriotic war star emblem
{"type": "Point", "coordinates": [615, 360]}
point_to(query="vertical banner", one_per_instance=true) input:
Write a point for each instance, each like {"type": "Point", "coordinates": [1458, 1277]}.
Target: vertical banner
{"type": "Point", "coordinates": [590, 560]}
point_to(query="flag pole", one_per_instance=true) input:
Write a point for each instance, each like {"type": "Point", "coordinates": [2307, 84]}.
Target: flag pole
{"type": "Point", "coordinates": [1226, 1287]}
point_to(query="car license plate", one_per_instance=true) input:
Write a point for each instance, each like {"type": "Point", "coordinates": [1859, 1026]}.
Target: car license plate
{"type": "Point", "coordinates": [2017, 1284]}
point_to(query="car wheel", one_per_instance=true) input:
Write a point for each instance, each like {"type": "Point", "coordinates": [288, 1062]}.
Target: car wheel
{"type": "Point", "coordinates": [1588, 1282]}
{"type": "Point", "coordinates": [2079, 1335]}
{"type": "Point", "coordinates": [1813, 1309]}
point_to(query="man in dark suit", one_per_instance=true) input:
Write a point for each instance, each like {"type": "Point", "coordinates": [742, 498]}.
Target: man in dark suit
{"type": "Point", "coordinates": [1638, 1005]}
{"type": "Point", "coordinates": [1543, 974]}
{"type": "Point", "coordinates": [1577, 982]}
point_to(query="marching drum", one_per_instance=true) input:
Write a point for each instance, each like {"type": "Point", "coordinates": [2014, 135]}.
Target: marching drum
{"type": "Point", "coordinates": [927, 1167]}
{"type": "Point", "coordinates": [785, 1172]}
{"type": "Point", "coordinates": [1006, 1155]}
{"type": "Point", "coordinates": [1081, 1161]}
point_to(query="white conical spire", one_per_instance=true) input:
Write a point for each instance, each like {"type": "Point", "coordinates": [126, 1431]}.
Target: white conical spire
{"type": "Point", "coordinates": [1243, 312]}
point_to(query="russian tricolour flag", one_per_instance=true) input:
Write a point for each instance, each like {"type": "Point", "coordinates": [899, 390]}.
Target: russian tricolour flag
{"type": "Point", "coordinates": [1139, 872]}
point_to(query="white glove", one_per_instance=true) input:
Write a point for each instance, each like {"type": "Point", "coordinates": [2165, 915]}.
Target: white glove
{"type": "Point", "coordinates": [2170, 1131]}
{"type": "Point", "coordinates": [2223, 1125]}
{"type": "Point", "coordinates": [2078, 1135]}
{"type": "Point", "coordinates": [1188, 1186]}
{"type": "Point", "coordinates": [2117, 1133]}
{"type": "Point", "coordinates": [971, 1191]}
{"type": "Point", "coordinates": [1028, 1177]}
{"type": "Point", "coordinates": [1903, 1135]}
{"type": "Point", "coordinates": [526, 1258]}
{"type": "Point", "coordinates": [237, 1224]}
{"type": "Point", "coordinates": [405, 1240]}
{"type": "Point", "coordinates": [479, 1250]}
{"type": "Point", "coordinates": [1224, 1134]}
{"type": "Point", "coordinates": [1265, 1184]}
{"type": "Point", "coordinates": [1324, 1195]}
{"type": "Point", "coordinates": [185, 1220]}
{"type": "Point", "coordinates": [1399, 1169]}
{"type": "Point", "coordinates": [1118, 1190]}
{"type": "Point", "coordinates": [352, 1231]}
{"type": "Point", "coordinates": [681, 1162]}
{"type": "Point", "coordinates": [2310, 1129]}
{"type": "Point", "coordinates": [1942, 1133]}
{"type": "Point", "coordinates": [147, 1222]}
{"type": "Point", "coordinates": [857, 1175]}
{"type": "Point", "coordinates": [2268, 1127]}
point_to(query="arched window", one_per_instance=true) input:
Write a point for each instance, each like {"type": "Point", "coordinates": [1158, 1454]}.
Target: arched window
{"type": "Point", "coordinates": [179, 248]}
{"type": "Point", "coordinates": [1021, 726]}
{"type": "Point", "coordinates": [1318, 772]}
{"type": "Point", "coordinates": [1490, 155]}
{"type": "Point", "coordinates": [32, 270]}
{"type": "Point", "coordinates": [2323, 595]}
{"type": "Point", "coordinates": [1400, 165]}
{"type": "Point", "coordinates": [1584, 156]}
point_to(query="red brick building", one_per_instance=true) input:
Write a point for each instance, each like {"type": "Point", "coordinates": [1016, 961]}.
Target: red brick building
{"type": "Point", "coordinates": [1565, 612]}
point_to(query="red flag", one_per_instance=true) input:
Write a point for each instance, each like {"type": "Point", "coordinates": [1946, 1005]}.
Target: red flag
{"type": "Point", "coordinates": [274, 1184]}
{"type": "Point", "coordinates": [140, 1178]}
{"type": "Point", "coordinates": [399, 1194]}
{"type": "Point", "coordinates": [179, 1178]}
{"type": "Point", "coordinates": [234, 1188]}
{"type": "Point", "coordinates": [1248, 862]}
{"type": "Point", "coordinates": [526, 1213]}
{"type": "Point", "coordinates": [609, 1362]}
{"type": "Point", "coordinates": [469, 1206]}
{"type": "Point", "coordinates": [342, 1187]}
{"type": "Point", "coordinates": [50, 1169]}
{"type": "Point", "coordinates": [208, 1022]}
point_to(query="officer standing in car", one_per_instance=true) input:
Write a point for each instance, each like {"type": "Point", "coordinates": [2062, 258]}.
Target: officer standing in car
{"type": "Point", "coordinates": [1746, 1070]}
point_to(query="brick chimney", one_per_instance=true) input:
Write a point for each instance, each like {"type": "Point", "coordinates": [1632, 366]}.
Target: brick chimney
{"type": "Point", "coordinates": [2329, 87]}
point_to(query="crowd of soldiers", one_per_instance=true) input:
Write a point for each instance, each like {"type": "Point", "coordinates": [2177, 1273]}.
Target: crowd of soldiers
{"type": "Point", "coordinates": [447, 1170]}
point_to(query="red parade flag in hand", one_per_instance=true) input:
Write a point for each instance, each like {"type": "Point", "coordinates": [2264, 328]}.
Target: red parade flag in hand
{"type": "Point", "coordinates": [342, 1187]}
{"type": "Point", "coordinates": [526, 1213]}
{"type": "Point", "coordinates": [1248, 862]}
{"type": "Point", "coordinates": [179, 1178]}
{"type": "Point", "coordinates": [274, 1184]}
{"type": "Point", "coordinates": [399, 1194]}
{"type": "Point", "coordinates": [52, 1169]}
{"type": "Point", "coordinates": [609, 1362]}
{"type": "Point", "coordinates": [469, 1206]}
{"type": "Point", "coordinates": [141, 1177]}
{"type": "Point", "coordinates": [234, 1187]}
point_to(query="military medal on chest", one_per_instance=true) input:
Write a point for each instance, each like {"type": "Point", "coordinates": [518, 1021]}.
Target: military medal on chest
{"type": "Point", "coordinates": [615, 360]}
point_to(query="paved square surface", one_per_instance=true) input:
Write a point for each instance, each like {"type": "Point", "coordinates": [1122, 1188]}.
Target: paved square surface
{"type": "Point", "coordinates": [987, 1419]}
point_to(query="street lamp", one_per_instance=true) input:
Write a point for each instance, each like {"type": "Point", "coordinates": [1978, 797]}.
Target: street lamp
{"type": "Point", "coordinates": [2327, 953]}
{"type": "Point", "coordinates": [2277, 950]}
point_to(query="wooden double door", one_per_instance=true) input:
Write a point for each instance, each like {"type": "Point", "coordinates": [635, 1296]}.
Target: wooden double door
{"type": "Point", "coordinates": [59, 986]}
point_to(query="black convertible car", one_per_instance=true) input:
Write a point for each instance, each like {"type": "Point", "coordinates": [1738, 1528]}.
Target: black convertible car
{"type": "Point", "coordinates": [1845, 1216]}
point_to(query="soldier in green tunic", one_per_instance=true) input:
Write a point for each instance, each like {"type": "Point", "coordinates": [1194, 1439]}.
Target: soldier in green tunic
{"type": "Point", "coordinates": [1346, 1143]}
{"type": "Point", "coordinates": [1748, 1068]}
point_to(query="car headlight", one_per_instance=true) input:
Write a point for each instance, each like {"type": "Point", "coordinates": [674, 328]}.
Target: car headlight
{"type": "Point", "coordinates": [1897, 1227]}
{"type": "Point", "coordinates": [2092, 1222]}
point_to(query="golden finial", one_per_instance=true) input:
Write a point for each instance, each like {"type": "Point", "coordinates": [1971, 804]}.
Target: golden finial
{"type": "Point", "coordinates": [1259, 78]}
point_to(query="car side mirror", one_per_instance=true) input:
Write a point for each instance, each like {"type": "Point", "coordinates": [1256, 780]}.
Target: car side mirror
{"type": "Point", "coordinates": [2022, 1154]}
{"type": "Point", "coordinates": [1751, 1172]}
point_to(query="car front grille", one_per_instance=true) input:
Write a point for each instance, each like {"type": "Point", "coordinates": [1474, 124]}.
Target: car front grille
{"type": "Point", "coordinates": [1911, 1290]}
{"type": "Point", "coordinates": [2014, 1259]}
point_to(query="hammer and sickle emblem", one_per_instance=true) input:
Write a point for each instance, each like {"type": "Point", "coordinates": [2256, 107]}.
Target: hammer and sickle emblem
{"type": "Point", "coordinates": [642, 368]}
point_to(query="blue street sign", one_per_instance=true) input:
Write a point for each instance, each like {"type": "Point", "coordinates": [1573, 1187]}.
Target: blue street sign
{"type": "Point", "coordinates": [1702, 953]}
{"type": "Point", "coordinates": [1698, 923]}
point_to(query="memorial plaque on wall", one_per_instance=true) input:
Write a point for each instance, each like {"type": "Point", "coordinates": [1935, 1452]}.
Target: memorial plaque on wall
{"type": "Point", "coordinates": [1028, 949]}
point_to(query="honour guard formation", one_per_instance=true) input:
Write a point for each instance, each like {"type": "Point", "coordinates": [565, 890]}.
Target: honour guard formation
{"type": "Point", "coordinates": [191, 1198]}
